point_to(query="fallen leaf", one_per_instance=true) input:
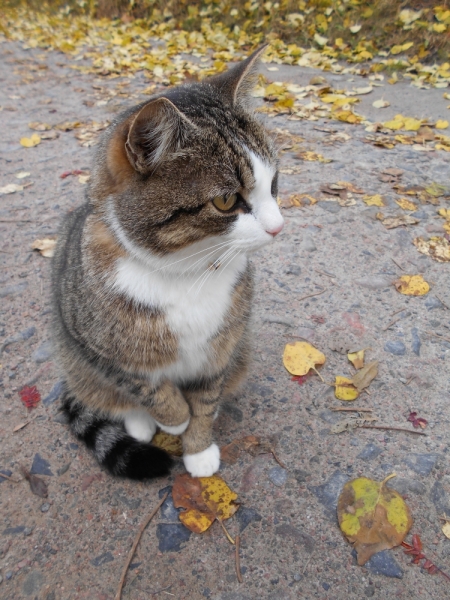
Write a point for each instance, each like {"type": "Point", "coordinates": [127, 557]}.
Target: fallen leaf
{"type": "Point", "coordinates": [313, 156]}
{"type": "Point", "coordinates": [393, 222]}
{"type": "Point", "coordinates": [412, 285]}
{"type": "Point", "coordinates": [300, 357]}
{"type": "Point", "coordinates": [45, 246]}
{"type": "Point", "coordinates": [68, 125]}
{"type": "Point", "coordinates": [30, 142]}
{"type": "Point", "coordinates": [30, 396]}
{"type": "Point", "coordinates": [21, 426]}
{"type": "Point", "coordinates": [441, 124]}
{"type": "Point", "coordinates": [11, 188]}
{"type": "Point", "coordinates": [364, 376]}
{"type": "Point", "coordinates": [22, 174]}
{"type": "Point", "coordinates": [375, 200]}
{"type": "Point", "coordinates": [231, 452]}
{"type": "Point", "coordinates": [436, 247]}
{"type": "Point", "coordinates": [416, 551]}
{"type": "Point", "coordinates": [446, 529]}
{"type": "Point", "coordinates": [37, 485]}
{"type": "Point", "coordinates": [350, 187]}
{"type": "Point", "coordinates": [355, 28]}
{"type": "Point", "coordinates": [88, 480]}
{"type": "Point", "coordinates": [83, 178]}
{"type": "Point", "coordinates": [204, 499]}
{"type": "Point", "coordinates": [372, 517]}
{"type": "Point", "coordinates": [49, 135]}
{"type": "Point", "coordinates": [344, 389]}
{"type": "Point", "coordinates": [407, 204]}
{"type": "Point", "coordinates": [168, 442]}
{"type": "Point", "coordinates": [318, 80]}
{"type": "Point", "coordinates": [39, 126]}
{"type": "Point", "coordinates": [417, 421]}
{"type": "Point", "coordinates": [356, 358]}
{"type": "Point", "coordinates": [444, 212]}
{"type": "Point", "coordinates": [381, 103]}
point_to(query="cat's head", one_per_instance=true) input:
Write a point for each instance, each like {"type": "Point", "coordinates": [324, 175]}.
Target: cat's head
{"type": "Point", "coordinates": [190, 167]}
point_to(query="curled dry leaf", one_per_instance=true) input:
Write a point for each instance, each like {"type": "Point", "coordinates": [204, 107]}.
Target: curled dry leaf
{"type": "Point", "coordinates": [393, 222]}
{"type": "Point", "coordinates": [205, 500]}
{"type": "Point", "coordinates": [45, 246]}
{"type": "Point", "coordinates": [436, 247]}
{"type": "Point", "coordinates": [11, 188]}
{"type": "Point", "coordinates": [381, 103]}
{"type": "Point", "coordinates": [372, 517]}
{"type": "Point", "coordinates": [39, 126]}
{"type": "Point", "coordinates": [356, 358]}
{"type": "Point", "coordinates": [300, 357]}
{"type": "Point", "coordinates": [364, 376]}
{"type": "Point", "coordinates": [412, 285]}
{"type": "Point", "coordinates": [231, 452]}
{"type": "Point", "coordinates": [407, 204]}
{"type": "Point", "coordinates": [37, 485]}
{"type": "Point", "coordinates": [168, 442]}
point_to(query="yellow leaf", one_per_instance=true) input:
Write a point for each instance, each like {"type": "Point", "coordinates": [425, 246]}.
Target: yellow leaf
{"type": "Point", "coordinates": [439, 27]}
{"type": "Point", "coordinates": [394, 124]}
{"type": "Point", "coordinates": [436, 247]}
{"type": "Point", "coordinates": [444, 212]}
{"type": "Point", "coordinates": [407, 204]}
{"type": "Point", "coordinates": [375, 200]}
{"type": "Point", "coordinates": [30, 142]}
{"type": "Point", "coordinates": [46, 246]}
{"type": "Point", "coordinates": [411, 124]}
{"type": "Point", "coordinates": [168, 442]}
{"type": "Point", "coordinates": [441, 124]}
{"type": "Point", "coordinates": [412, 285]}
{"type": "Point", "coordinates": [320, 39]}
{"type": "Point", "coordinates": [205, 500]}
{"type": "Point", "coordinates": [372, 517]}
{"type": "Point", "coordinates": [347, 116]}
{"type": "Point", "coordinates": [446, 529]}
{"type": "Point", "coordinates": [344, 389]}
{"type": "Point", "coordinates": [356, 358]}
{"type": "Point", "coordinates": [355, 28]}
{"type": "Point", "coordinates": [408, 16]}
{"type": "Point", "coordinates": [300, 357]}
{"type": "Point", "coordinates": [313, 156]}
{"type": "Point", "coordinates": [39, 126]}
{"type": "Point", "coordinates": [381, 103]}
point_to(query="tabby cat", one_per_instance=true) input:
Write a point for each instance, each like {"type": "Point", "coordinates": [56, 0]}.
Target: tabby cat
{"type": "Point", "coordinates": [152, 287]}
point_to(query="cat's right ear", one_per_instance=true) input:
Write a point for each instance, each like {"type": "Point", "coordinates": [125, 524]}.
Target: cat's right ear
{"type": "Point", "coordinates": [158, 130]}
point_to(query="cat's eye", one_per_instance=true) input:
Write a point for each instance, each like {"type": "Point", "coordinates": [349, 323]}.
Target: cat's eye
{"type": "Point", "coordinates": [225, 203]}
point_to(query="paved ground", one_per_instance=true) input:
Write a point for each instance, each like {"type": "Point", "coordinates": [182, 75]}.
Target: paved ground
{"type": "Point", "coordinates": [73, 544]}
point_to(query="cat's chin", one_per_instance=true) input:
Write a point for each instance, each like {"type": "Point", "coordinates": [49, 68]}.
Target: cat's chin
{"type": "Point", "coordinates": [203, 464]}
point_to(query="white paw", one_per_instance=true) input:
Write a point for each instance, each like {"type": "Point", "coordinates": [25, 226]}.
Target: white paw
{"type": "Point", "coordinates": [174, 429]}
{"type": "Point", "coordinates": [203, 464]}
{"type": "Point", "coordinates": [140, 425]}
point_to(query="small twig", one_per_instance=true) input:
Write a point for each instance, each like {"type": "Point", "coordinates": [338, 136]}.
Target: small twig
{"type": "Point", "coordinates": [397, 311]}
{"type": "Point", "coordinates": [9, 478]}
{"type": "Point", "coordinates": [438, 297]}
{"type": "Point", "coordinates": [311, 295]}
{"type": "Point", "coordinates": [351, 409]}
{"type": "Point", "coordinates": [326, 274]}
{"type": "Point", "coordinates": [307, 563]}
{"type": "Point", "coordinates": [135, 543]}
{"type": "Point", "coordinates": [230, 539]}
{"type": "Point", "coordinates": [282, 465]}
{"type": "Point", "coordinates": [238, 561]}
{"type": "Point", "coordinates": [409, 380]}
{"type": "Point", "coordinates": [399, 266]}
{"type": "Point", "coordinates": [440, 337]}
{"type": "Point", "coordinates": [162, 590]}
{"type": "Point", "coordinates": [391, 323]}
{"type": "Point", "coordinates": [393, 428]}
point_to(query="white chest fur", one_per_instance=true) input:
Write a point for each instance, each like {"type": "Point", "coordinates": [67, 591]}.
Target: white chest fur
{"type": "Point", "coordinates": [194, 315]}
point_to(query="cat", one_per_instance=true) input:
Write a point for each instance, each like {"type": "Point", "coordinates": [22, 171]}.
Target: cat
{"type": "Point", "coordinates": [151, 284]}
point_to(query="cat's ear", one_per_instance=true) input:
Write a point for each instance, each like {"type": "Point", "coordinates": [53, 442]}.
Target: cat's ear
{"type": "Point", "coordinates": [236, 83]}
{"type": "Point", "coordinates": [158, 130]}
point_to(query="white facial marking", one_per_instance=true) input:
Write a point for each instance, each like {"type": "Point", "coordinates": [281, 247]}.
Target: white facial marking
{"type": "Point", "coordinates": [203, 464]}
{"type": "Point", "coordinates": [257, 228]}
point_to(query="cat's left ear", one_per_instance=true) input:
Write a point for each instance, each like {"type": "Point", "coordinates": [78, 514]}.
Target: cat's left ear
{"type": "Point", "coordinates": [159, 129]}
{"type": "Point", "coordinates": [236, 83]}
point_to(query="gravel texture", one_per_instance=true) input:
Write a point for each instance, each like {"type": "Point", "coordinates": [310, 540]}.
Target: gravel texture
{"type": "Point", "coordinates": [73, 544]}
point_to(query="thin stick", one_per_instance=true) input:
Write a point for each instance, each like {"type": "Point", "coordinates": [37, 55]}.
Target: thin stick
{"type": "Point", "coordinates": [307, 563]}
{"type": "Point", "coordinates": [282, 465]}
{"type": "Point", "coordinates": [391, 323]}
{"type": "Point", "coordinates": [397, 311]}
{"type": "Point", "coordinates": [440, 337]}
{"type": "Point", "coordinates": [135, 543]}
{"type": "Point", "coordinates": [9, 478]}
{"type": "Point", "coordinates": [393, 428]}
{"type": "Point", "coordinates": [351, 409]}
{"type": "Point", "coordinates": [399, 266]}
{"type": "Point", "coordinates": [326, 274]}
{"type": "Point", "coordinates": [230, 539]}
{"type": "Point", "coordinates": [238, 562]}
{"type": "Point", "coordinates": [438, 297]}
{"type": "Point", "coordinates": [162, 590]}
{"type": "Point", "coordinates": [17, 221]}
{"type": "Point", "coordinates": [311, 295]}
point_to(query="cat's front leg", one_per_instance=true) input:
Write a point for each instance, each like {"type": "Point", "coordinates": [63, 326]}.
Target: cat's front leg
{"type": "Point", "coordinates": [201, 455]}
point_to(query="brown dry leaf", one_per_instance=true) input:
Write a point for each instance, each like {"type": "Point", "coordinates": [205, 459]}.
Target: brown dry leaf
{"type": "Point", "coordinates": [407, 204]}
{"type": "Point", "coordinates": [300, 357]}
{"type": "Point", "coordinates": [297, 200]}
{"type": "Point", "coordinates": [231, 452]}
{"type": "Point", "coordinates": [412, 285]}
{"type": "Point", "coordinates": [352, 422]}
{"type": "Point", "coordinates": [364, 376]}
{"type": "Point", "coordinates": [356, 358]}
{"type": "Point", "coordinates": [11, 188]}
{"type": "Point", "coordinates": [313, 156]}
{"type": "Point", "coordinates": [49, 135]}
{"type": "Point", "coordinates": [350, 187]}
{"type": "Point", "coordinates": [45, 246]}
{"type": "Point", "coordinates": [291, 170]}
{"type": "Point", "coordinates": [39, 126]}
{"type": "Point", "coordinates": [37, 485]}
{"type": "Point", "coordinates": [205, 500]}
{"type": "Point", "coordinates": [372, 517]}
{"type": "Point", "coordinates": [168, 442]}
{"type": "Point", "coordinates": [393, 222]}
{"type": "Point", "coordinates": [436, 247]}
{"type": "Point", "coordinates": [68, 125]}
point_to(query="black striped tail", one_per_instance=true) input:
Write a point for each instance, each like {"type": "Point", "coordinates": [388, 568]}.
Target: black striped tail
{"type": "Point", "coordinates": [112, 446]}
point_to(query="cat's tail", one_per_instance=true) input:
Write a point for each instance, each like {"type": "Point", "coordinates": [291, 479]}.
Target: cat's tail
{"type": "Point", "coordinates": [113, 447]}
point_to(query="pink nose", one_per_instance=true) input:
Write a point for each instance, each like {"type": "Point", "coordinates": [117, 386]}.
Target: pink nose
{"type": "Point", "coordinates": [276, 230]}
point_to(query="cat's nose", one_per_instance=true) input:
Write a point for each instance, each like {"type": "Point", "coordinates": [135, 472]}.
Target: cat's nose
{"type": "Point", "coordinates": [275, 230]}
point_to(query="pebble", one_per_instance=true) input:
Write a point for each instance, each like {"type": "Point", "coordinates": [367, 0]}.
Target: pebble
{"type": "Point", "coordinates": [308, 244]}
{"type": "Point", "coordinates": [63, 469]}
{"type": "Point", "coordinates": [232, 411]}
{"type": "Point", "coordinates": [172, 536]}
{"type": "Point", "coordinates": [278, 476]}
{"type": "Point", "coordinates": [33, 583]}
{"type": "Point", "coordinates": [45, 507]}
{"type": "Point", "coordinates": [54, 394]}
{"type": "Point", "coordinates": [8, 575]}
{"type": "Point", "coordinates": [168, 511]}
{"type": "Point", "coordinates": [383, 563]}
{"type": "Point", "coordinates": [331, 207]}
{"type": "Point", "coordinates": [245, 516]}
{"type": "Point", "coordinates": [293, 270]}
{"type": "Point", "coordinates": [405, 486]}
{"type": "Point", "coordinates": [299, 537]}
{"type": "Point", "coordinates": [440, 499]}
{"type": "Point", "coordinates": [5, 472]}
{"type": "Point", "coordinates": [297, 577]}
{"type": "Point", "coordinates": [13, 290]}
{"type": "Point", "coordinates": [40, 466]}
{"type": "Point", "coordinates": [328, 493]}
{"type": "Point", "coordinates": [300, 475]}
{"type": "Point", "coordinates": [416, 343]}
{"type": "Point", "coordinates": [43, 353]}
{"type": "Point", "coordinates": [22, 336]}
{"type": "Point", "coordinates": [369, 452]}
{"type": "Point", "coordinates": [102, 559]}
{"type": "Point", "coordinates": [422, 464]}
{"type": "Point", "coordinates": [27, 531]}
{"type": "Point", "coordinates": [14, 530]}
{"type": "Point", "coordinates": [395, 347]}
{"type": "Point", "coordinates": [375, 282]}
